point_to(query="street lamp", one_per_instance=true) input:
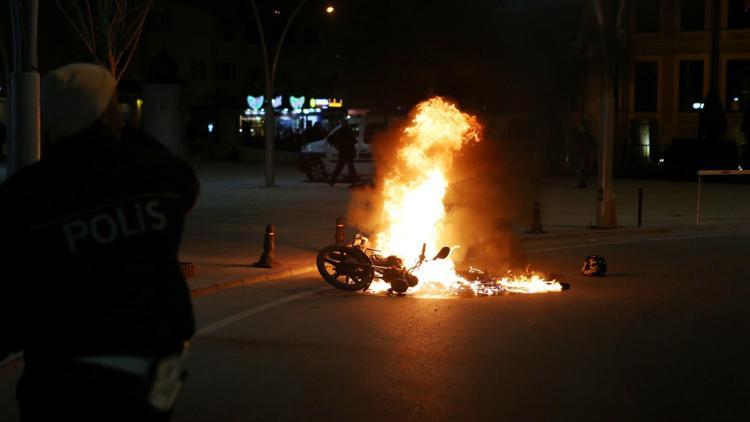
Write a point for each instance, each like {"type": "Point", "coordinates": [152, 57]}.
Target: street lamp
{"type": "Point", "coordinates": [270, 71]}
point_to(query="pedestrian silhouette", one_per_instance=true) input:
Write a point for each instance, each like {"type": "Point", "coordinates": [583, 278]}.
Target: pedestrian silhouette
{"type": "Point", "coordinates": [345, 142]}
{"type": "Point", "coordinates": [91, 287]}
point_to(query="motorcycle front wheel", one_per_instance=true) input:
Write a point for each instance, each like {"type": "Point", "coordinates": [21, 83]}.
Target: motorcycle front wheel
{"type": "Point", "coordinates": [345, 268]}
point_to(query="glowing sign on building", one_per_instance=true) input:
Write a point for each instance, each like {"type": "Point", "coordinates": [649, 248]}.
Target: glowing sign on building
{"type": "Point", "coordinates": [296, 102]}
{"type": "Point", "coordinates": [276, 101]}
{"type": "Point", "coordinates": [255, 102]}
{"type": "Point", "coordinates": [319, 102]}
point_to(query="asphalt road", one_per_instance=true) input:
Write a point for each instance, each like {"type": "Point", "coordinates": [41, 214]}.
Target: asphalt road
{"type": "Point", "coordinates": [664, 336]}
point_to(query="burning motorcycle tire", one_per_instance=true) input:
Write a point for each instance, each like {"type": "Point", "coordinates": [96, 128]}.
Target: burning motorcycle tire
{"type": "Point", "coordinates": [345, 268]}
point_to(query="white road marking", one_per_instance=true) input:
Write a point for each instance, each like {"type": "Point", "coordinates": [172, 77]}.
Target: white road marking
{"type": "Point", "coordinates": [622, 242]}
{"type": "Point", "coordinates": [248, 313]}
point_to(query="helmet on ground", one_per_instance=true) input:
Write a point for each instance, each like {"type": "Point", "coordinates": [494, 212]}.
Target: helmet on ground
{"type": "Point", "coordinates": [595, 266]}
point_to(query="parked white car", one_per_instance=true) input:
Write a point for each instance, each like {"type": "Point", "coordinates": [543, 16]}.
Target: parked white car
{"type": "Point", "coordinates": [318, 159]}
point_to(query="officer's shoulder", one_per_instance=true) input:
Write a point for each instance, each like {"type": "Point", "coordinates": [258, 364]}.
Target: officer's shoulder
{"type": "Point", "coordinates": [138, 140]}
{"type": "Point", "coordinates": [23, 179]}
{"type": "Point", "coordinates": [144, 147]}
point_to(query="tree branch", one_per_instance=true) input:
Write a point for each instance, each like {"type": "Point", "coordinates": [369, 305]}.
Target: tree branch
{"type": "Point", "coordinates": [109, 29]}
{"type": "Point", "coordinates": [86, 41]}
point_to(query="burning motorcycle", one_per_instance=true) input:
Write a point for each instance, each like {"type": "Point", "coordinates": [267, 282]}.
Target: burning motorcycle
{"type": "Point", "coordinates": [354, 267]}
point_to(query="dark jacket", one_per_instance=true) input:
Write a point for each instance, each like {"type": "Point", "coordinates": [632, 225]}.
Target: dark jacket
{"type": "Point", "coordinates": [88, 250]}
{"type": "Point", "coordinates": [345, 142]}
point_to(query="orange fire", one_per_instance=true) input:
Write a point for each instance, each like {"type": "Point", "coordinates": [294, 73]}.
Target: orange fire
{"type": "Point", "coordinates": [413, 210]}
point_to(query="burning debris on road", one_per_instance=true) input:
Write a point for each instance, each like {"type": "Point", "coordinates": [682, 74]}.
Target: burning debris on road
{"type": "Point", "coordinates": [412, 216]}
{"type": "Point", "coordinates": [475, 282]}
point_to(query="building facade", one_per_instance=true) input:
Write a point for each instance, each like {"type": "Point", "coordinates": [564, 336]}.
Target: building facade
{"type": "Point", "coordinates": [678, 50]}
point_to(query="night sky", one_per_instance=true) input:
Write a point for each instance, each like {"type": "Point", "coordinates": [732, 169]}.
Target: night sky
{"type": "Point", "coordinates": [498, 55]}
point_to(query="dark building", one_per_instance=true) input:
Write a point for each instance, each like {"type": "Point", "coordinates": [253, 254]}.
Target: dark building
{"type": "Point", "coordinates": [672, 64]}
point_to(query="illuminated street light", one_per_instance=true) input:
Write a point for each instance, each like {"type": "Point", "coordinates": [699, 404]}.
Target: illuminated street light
{"type": "Point", "coordinates": [330, 9]}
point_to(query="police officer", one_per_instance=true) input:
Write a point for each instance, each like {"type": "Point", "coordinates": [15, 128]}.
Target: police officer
{"type": "Point", "coordinates": [90, 286]}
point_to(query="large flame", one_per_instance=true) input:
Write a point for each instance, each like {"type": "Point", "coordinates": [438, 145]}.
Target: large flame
{"type": "Point", "coordinates": [414, 189]}
{"type": "Point", "coordinates": [413, 210]}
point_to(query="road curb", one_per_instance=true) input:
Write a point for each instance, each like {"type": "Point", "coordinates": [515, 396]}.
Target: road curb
{"type": "Point", "coordinates": [624, 231]}
{"type": "Point", "coordinates": [590, 233]}
{"type": "Point", "coordinates": [255, 278]}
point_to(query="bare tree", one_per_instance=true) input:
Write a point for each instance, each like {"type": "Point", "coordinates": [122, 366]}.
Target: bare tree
{"type": "Point", "coordinates": [109, 29]}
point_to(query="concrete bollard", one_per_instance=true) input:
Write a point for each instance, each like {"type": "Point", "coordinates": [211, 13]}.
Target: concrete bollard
{"type": "Point", "coordinates": [268, 257]}
{"type": "Point", "coordinates": [340, 236]}
{"type": "Point", "coordinates": [536, 219]}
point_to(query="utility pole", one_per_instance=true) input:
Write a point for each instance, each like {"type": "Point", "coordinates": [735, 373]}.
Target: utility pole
{"type": "Point", "coordinates": [24, 121]}
{"type": "Point", "coordinates": [606, 211]}
{"type": "Point", "coordinates": [715, 32]}
{"type": "Point", "coordinates": [270, 71]}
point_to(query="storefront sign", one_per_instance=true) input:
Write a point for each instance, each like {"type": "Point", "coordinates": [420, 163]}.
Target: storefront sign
{"type": "Point", "coordinates": [296, 102]}
{"type": "Point", "coordinates": [255, 103]}
{"type": "Point", "coordinates": [319, 102]}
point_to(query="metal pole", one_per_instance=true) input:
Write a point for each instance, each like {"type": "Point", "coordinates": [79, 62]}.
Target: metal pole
{"type": "Point", "coordinates": [270, 70]}
{"type": "Point", "coordinates": [698, 210]}
{"type": "Point", "coordinates": [270, 118]}
{"type": "Point", "coordinates": [24, 115]}
{"type": "Point", "coordinates": [640, 206]}
{"type": "Point", "coordinates": [606, 212]}
{"type": "Point", "coordinates": [269, 91]}
{"type": "Point", "coordinates": [715, 32]}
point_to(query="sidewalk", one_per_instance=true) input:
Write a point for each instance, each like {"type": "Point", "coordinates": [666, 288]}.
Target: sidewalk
{"type": "Point", "coordinates": [224, 233]}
